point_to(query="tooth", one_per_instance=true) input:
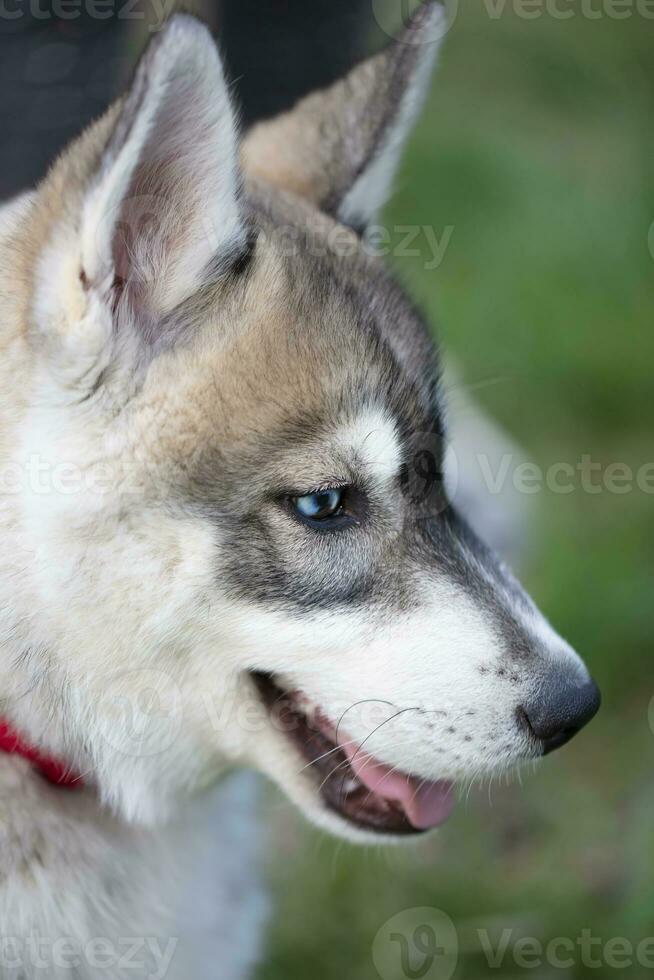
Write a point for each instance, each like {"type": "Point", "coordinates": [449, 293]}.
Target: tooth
{"type": "Point", "coordinates": [350, 785]}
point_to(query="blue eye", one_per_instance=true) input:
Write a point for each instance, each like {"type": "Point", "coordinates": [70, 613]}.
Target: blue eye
{"type": "Point", "coordinates": [320, 505]}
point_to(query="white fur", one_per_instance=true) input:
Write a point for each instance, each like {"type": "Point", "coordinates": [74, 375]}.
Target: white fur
{"type": "Point", "coordinates": [372, 440]}
{"type": "Point", "coordinates": [431, 659]}
{"type": "Point", "coordinates": [12, 211]}
{"type": "Point", "coordinates": [84, 893]}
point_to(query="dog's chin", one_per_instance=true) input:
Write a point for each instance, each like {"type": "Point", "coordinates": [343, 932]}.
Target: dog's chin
{"type": "Point", "coordinates": [337, 786]}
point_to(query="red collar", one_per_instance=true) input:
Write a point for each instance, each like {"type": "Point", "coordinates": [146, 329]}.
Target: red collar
{"type": "Point", "coordinates": [54, 770]}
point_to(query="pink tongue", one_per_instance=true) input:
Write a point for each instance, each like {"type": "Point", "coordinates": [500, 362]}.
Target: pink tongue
{"type": "Point", "coordinates": [425, 804]}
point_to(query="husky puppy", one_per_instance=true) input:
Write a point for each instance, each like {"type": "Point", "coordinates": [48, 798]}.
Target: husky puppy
{"type": "Point", "coordinates": [226, 538]}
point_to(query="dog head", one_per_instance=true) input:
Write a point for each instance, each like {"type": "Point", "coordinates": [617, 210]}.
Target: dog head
{"type": "Point", "coordinates": [240, 512]}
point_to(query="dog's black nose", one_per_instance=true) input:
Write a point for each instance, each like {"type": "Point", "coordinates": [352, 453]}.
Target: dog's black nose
{"type": "Point", "coordinates": [560, 708]}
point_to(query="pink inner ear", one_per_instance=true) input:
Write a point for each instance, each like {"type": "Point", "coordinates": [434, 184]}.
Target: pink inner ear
{"type": "Point", "coordinates": [149, 228]}
{"type": "Point", "coordinates": [166, 198]}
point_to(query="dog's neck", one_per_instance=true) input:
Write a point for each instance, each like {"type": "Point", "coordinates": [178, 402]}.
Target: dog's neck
{"type": "Point", "coordinates": [52, 769]}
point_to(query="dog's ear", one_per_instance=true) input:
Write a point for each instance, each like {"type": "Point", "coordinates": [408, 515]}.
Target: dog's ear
{"type": "Point", "coordinates": [163, 205]}
{"type": "Point", "coordinates": [142, 209]}
{"type": "Point", "coordinates": [339, 148]}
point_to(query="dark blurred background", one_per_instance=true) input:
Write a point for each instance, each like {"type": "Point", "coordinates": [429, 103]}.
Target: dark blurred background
{"type": "Point", "coordinates": [536, 148]}
{"type": "Point", "coordinates": [63, 61]}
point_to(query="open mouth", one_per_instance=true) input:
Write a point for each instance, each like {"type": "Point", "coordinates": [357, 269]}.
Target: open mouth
{"type": "Point", "coordinates": [367, 793]}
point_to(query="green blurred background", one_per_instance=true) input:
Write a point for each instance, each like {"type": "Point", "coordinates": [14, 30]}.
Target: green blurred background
{"type": "Point", "coordinates": [537, 146]}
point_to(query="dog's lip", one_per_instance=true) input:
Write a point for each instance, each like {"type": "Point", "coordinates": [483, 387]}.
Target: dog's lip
{"type": "Point", "coordinates": [352, 783]}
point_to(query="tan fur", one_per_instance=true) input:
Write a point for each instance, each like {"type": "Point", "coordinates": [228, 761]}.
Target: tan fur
{"type": "Point", "coordinates": [291, 151]}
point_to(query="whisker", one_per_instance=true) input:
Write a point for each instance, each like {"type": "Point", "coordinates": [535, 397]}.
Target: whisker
{"type": "Point", "coordinates": [373, 732]}
{"type": "Point", "coordinates": [356, 705]}
{"type": "Point", "coordinates": [403, 711]}
{"type": "Point", "coordinates": [326, 754]}
{"type": "Point", "coordinates": [348, 762]}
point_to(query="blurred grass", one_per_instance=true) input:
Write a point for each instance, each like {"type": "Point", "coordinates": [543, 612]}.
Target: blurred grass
{"type": "Point", "coordinates": [537, 146]}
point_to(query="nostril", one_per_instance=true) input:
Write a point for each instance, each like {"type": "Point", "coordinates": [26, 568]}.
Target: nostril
{"type": "Point", "coordinates": [558, 710]}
